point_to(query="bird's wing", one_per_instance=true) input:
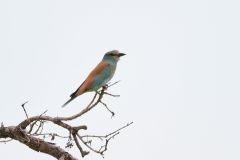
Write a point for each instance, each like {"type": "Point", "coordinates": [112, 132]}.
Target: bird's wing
{"type": "Point", "coordinates": [87, 84]}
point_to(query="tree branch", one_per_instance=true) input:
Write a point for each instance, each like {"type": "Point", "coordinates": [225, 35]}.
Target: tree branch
{"type": "Point", "coordinates": [36, 144]}
{"type": "Point", "coordinates": [29, 130]}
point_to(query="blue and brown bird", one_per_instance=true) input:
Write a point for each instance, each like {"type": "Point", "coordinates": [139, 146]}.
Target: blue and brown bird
{"type": "Point", "coordinates": [99, 76]}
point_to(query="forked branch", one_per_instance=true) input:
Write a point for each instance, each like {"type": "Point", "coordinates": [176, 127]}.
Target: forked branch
{"type": "Point", "coordinates": [31, 131]}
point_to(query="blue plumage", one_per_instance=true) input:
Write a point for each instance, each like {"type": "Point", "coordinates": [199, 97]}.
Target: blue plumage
{"type": "Point", "coordinates": [99, 76]}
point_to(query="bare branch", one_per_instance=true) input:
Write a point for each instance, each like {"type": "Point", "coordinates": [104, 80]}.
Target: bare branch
{"type": "Point", "coordinates": [107, 138]}
{"type": "Point", "coordinates": [31, 130]}
{"type": "Point", "coordinates": [85, 110]}
{"type": "Point", "coordinates": [36, 144]}
{"type": "Point", "coordinates": [91, 105]}
{"type": "Point", "coordinates": [83, 153]}
{"type": "Point", "coordinates": [104, 147]}
{"type": "Point", "coordinates": [87, 145]}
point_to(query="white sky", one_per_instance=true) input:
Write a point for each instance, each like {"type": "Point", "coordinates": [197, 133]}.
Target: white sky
{"type": "Point", "coordinates": [179, 80]}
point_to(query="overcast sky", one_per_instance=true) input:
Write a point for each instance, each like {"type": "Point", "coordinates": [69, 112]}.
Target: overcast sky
{"type": "Point", "coordinates": [179, 81]}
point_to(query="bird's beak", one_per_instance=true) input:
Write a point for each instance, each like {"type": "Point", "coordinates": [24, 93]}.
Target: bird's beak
{"type": "Point", "coordinates": [121, 54]}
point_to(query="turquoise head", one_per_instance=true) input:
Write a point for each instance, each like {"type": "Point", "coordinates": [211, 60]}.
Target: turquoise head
{"type": "Point", "coordinates": [113, 55]}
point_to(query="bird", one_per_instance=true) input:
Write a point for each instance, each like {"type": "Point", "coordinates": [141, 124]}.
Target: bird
{"type": "Point", "coordinates": [99, 76]}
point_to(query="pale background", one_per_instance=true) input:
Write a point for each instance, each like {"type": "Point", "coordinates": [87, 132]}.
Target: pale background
{"type": "Point", "coordinates": [179, 80]}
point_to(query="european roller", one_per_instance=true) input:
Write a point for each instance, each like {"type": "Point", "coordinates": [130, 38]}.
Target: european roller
{"type": "Point", "coordinates": [99, 76]}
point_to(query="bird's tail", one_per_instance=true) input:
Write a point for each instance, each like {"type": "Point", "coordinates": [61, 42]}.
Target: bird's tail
{"type": "Point", "coordinates": [72, 98]}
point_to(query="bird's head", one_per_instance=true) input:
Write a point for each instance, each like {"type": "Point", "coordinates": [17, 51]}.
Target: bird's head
{"type": "Point", "coordinates": [113, 55]}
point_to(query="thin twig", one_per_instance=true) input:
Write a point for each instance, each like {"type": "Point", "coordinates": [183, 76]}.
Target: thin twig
{"type": "Point", "coordinates": [106, 143]}
{"type": "Point", "coordinates": [113, 95]}
{"type": "Point", "coordinates": [35, 123]}
{"type": "Point", "coordinates": [41, 123]}
{"type": "Point", "coordinates": [119, 129]}
{"type": "Point", "coordinates": [109, 85]}
{"type": "Point", "coordinates": [86, 144]}
{"type": "Point", "coordinates": [23, 106]}
{"type": "Point", "coordinates": [32, 126]}
{"type": "Point", "coordinates": [105, 105]}
{"type": "Point", "coordinates": [5, 141]}
{"type": "Point", "coordinates": [46, 135]}
{"type": "Point", "coordinates": [107, 138]}
{"type": "Point", "coordinates": [43, 113]}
